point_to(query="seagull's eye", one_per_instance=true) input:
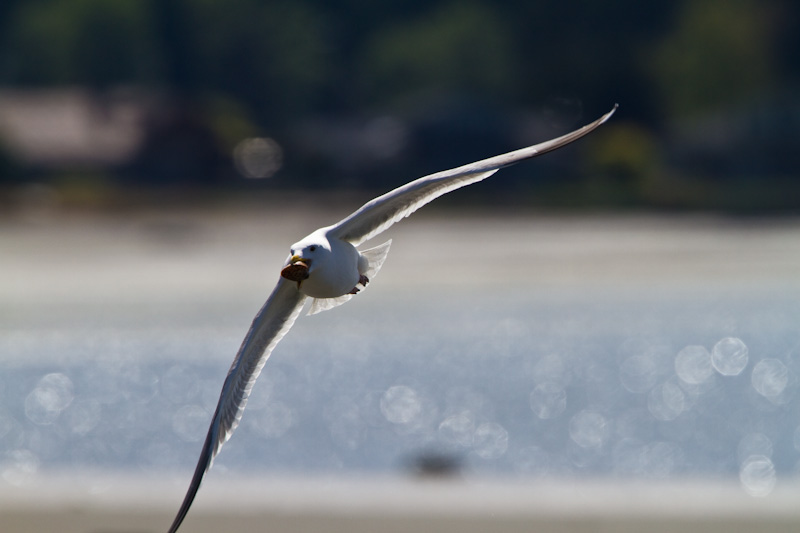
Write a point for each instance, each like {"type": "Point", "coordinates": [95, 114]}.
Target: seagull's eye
{"type": "Point", "coordinates": [312, 248]}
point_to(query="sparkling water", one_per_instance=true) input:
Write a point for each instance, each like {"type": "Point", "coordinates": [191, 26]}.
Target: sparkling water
{"type": "Point", "coordinates": [508, 347]}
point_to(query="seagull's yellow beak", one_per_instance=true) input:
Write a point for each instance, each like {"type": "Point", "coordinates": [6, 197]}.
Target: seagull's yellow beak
{"type": "Point", "coordinates": [295, 258]}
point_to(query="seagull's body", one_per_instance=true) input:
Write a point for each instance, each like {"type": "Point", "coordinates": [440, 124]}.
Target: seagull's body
{"type": "Point", "coordinates": [327, 267]}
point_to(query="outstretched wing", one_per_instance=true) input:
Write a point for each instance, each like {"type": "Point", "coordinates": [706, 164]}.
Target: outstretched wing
{"type": "Point", "coordinates": [377, 215]}
{"type": "Point", "coordinates": [271, 323]}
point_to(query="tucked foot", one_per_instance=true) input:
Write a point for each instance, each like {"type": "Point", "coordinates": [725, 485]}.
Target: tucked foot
{"type": "Point", "coordinates": [362, 280]}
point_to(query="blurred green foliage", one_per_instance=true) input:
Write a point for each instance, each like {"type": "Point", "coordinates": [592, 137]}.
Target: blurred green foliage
{"type": "Point", "coordinates": [717, 56]}
{"type": "Point", "coordinates": [89, 42]}
{"type": "Point", "coordinates": [241, 68]}
{"type": "Point", "coordinates": [456, 47]}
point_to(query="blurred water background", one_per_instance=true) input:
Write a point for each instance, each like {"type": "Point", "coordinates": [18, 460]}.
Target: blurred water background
{"type": "Point", "coordinates": [525, 347]}
{"type": "Point", "coordinates": [623, 309]}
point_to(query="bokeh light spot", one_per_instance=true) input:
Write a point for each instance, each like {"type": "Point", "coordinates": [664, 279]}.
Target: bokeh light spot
{"type": "Point", "coordinates": [258, 157]}
{"type": "Point", "coordinates": [753, 444]}
{"type": "Point", "coordinates": [401, 404]}
{"type": "Point", "coordinates": [19, 466]}
{"type": "Point", "coordinates": [83, 416]}
{"type": "Point", "coordinates": [693, 365]}
{"type": "Point", "coordinates": [666, 401]}
{"type": "Point", "coordinates": [729, 356]}
{"type": "Point", "coordinates": [588, 429]}
{"type": "Point", "coordinates": [757, 475]}
{"type": "Point", "coordinates": [458, 429]}
{"type": "Point", "coordinates": [548, 400]}
{"type": "Point", "coordinates": [491, 440]}
{"type": "Point", "coordinates": [770, 377]}
{"type": "Point", "coordinates": [48, 399]}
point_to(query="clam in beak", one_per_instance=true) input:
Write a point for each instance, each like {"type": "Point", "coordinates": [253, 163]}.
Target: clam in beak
{"type": "Point", "coordinates": [296, 270]}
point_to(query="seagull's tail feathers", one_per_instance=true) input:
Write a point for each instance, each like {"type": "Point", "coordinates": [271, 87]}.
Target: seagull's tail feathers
{"type": "Point", "coordinates": [375, 258]}
{"type": "Point", "coordinates": [319, 305]}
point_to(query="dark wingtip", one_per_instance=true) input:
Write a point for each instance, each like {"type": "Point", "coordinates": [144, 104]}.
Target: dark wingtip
{"type": "Point", "coordinates": [607, 116]}
{"type": "Point", "coordinates": [200, 470]}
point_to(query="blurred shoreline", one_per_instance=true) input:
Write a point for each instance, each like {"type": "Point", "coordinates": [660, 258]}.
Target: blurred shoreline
{"type": "Point", "coordinates": [182, 249]}
{"type": "Point", "coordinates": [123, 504]}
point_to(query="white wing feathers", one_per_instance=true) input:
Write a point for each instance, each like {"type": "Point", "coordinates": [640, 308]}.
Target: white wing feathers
{"type": "Point", "coordinates": [377, 215]}
{"type": "Point", "coordinates": [269, 326]}
{"type": "Point", "coordinates": [271, 323]}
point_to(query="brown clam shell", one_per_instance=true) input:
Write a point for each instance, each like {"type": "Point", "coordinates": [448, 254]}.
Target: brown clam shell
{"type": "Point", "coordinates": [295, 272]}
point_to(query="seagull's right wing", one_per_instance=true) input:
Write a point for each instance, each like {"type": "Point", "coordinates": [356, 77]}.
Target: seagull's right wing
{"type": "Point", "coordinates": [377, 215]}
{"type": "Point", "coordinates": [271, 323]}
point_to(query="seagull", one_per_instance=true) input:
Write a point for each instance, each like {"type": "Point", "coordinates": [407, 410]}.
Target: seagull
{"type": "Point", "coordinates": [326, 267]}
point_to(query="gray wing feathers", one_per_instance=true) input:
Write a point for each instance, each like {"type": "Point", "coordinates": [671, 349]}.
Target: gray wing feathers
{"type": "Point", "coordinates": [271, 323]}
{"type": "Point", "coordinates": [377, 215]}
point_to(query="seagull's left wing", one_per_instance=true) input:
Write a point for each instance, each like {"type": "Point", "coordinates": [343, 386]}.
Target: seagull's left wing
{"type": "Point", "coordinates": [377, 215]}
{"type": "Point", "coordinates": [271, 323]}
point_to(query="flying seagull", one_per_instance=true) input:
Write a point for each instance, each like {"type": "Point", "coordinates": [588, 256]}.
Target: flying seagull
{"type": "Point", "coordinates": [326, 267]}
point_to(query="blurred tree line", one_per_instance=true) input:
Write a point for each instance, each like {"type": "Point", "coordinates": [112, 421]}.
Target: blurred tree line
{"type": "Point", "coordinates": [372, 94]}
